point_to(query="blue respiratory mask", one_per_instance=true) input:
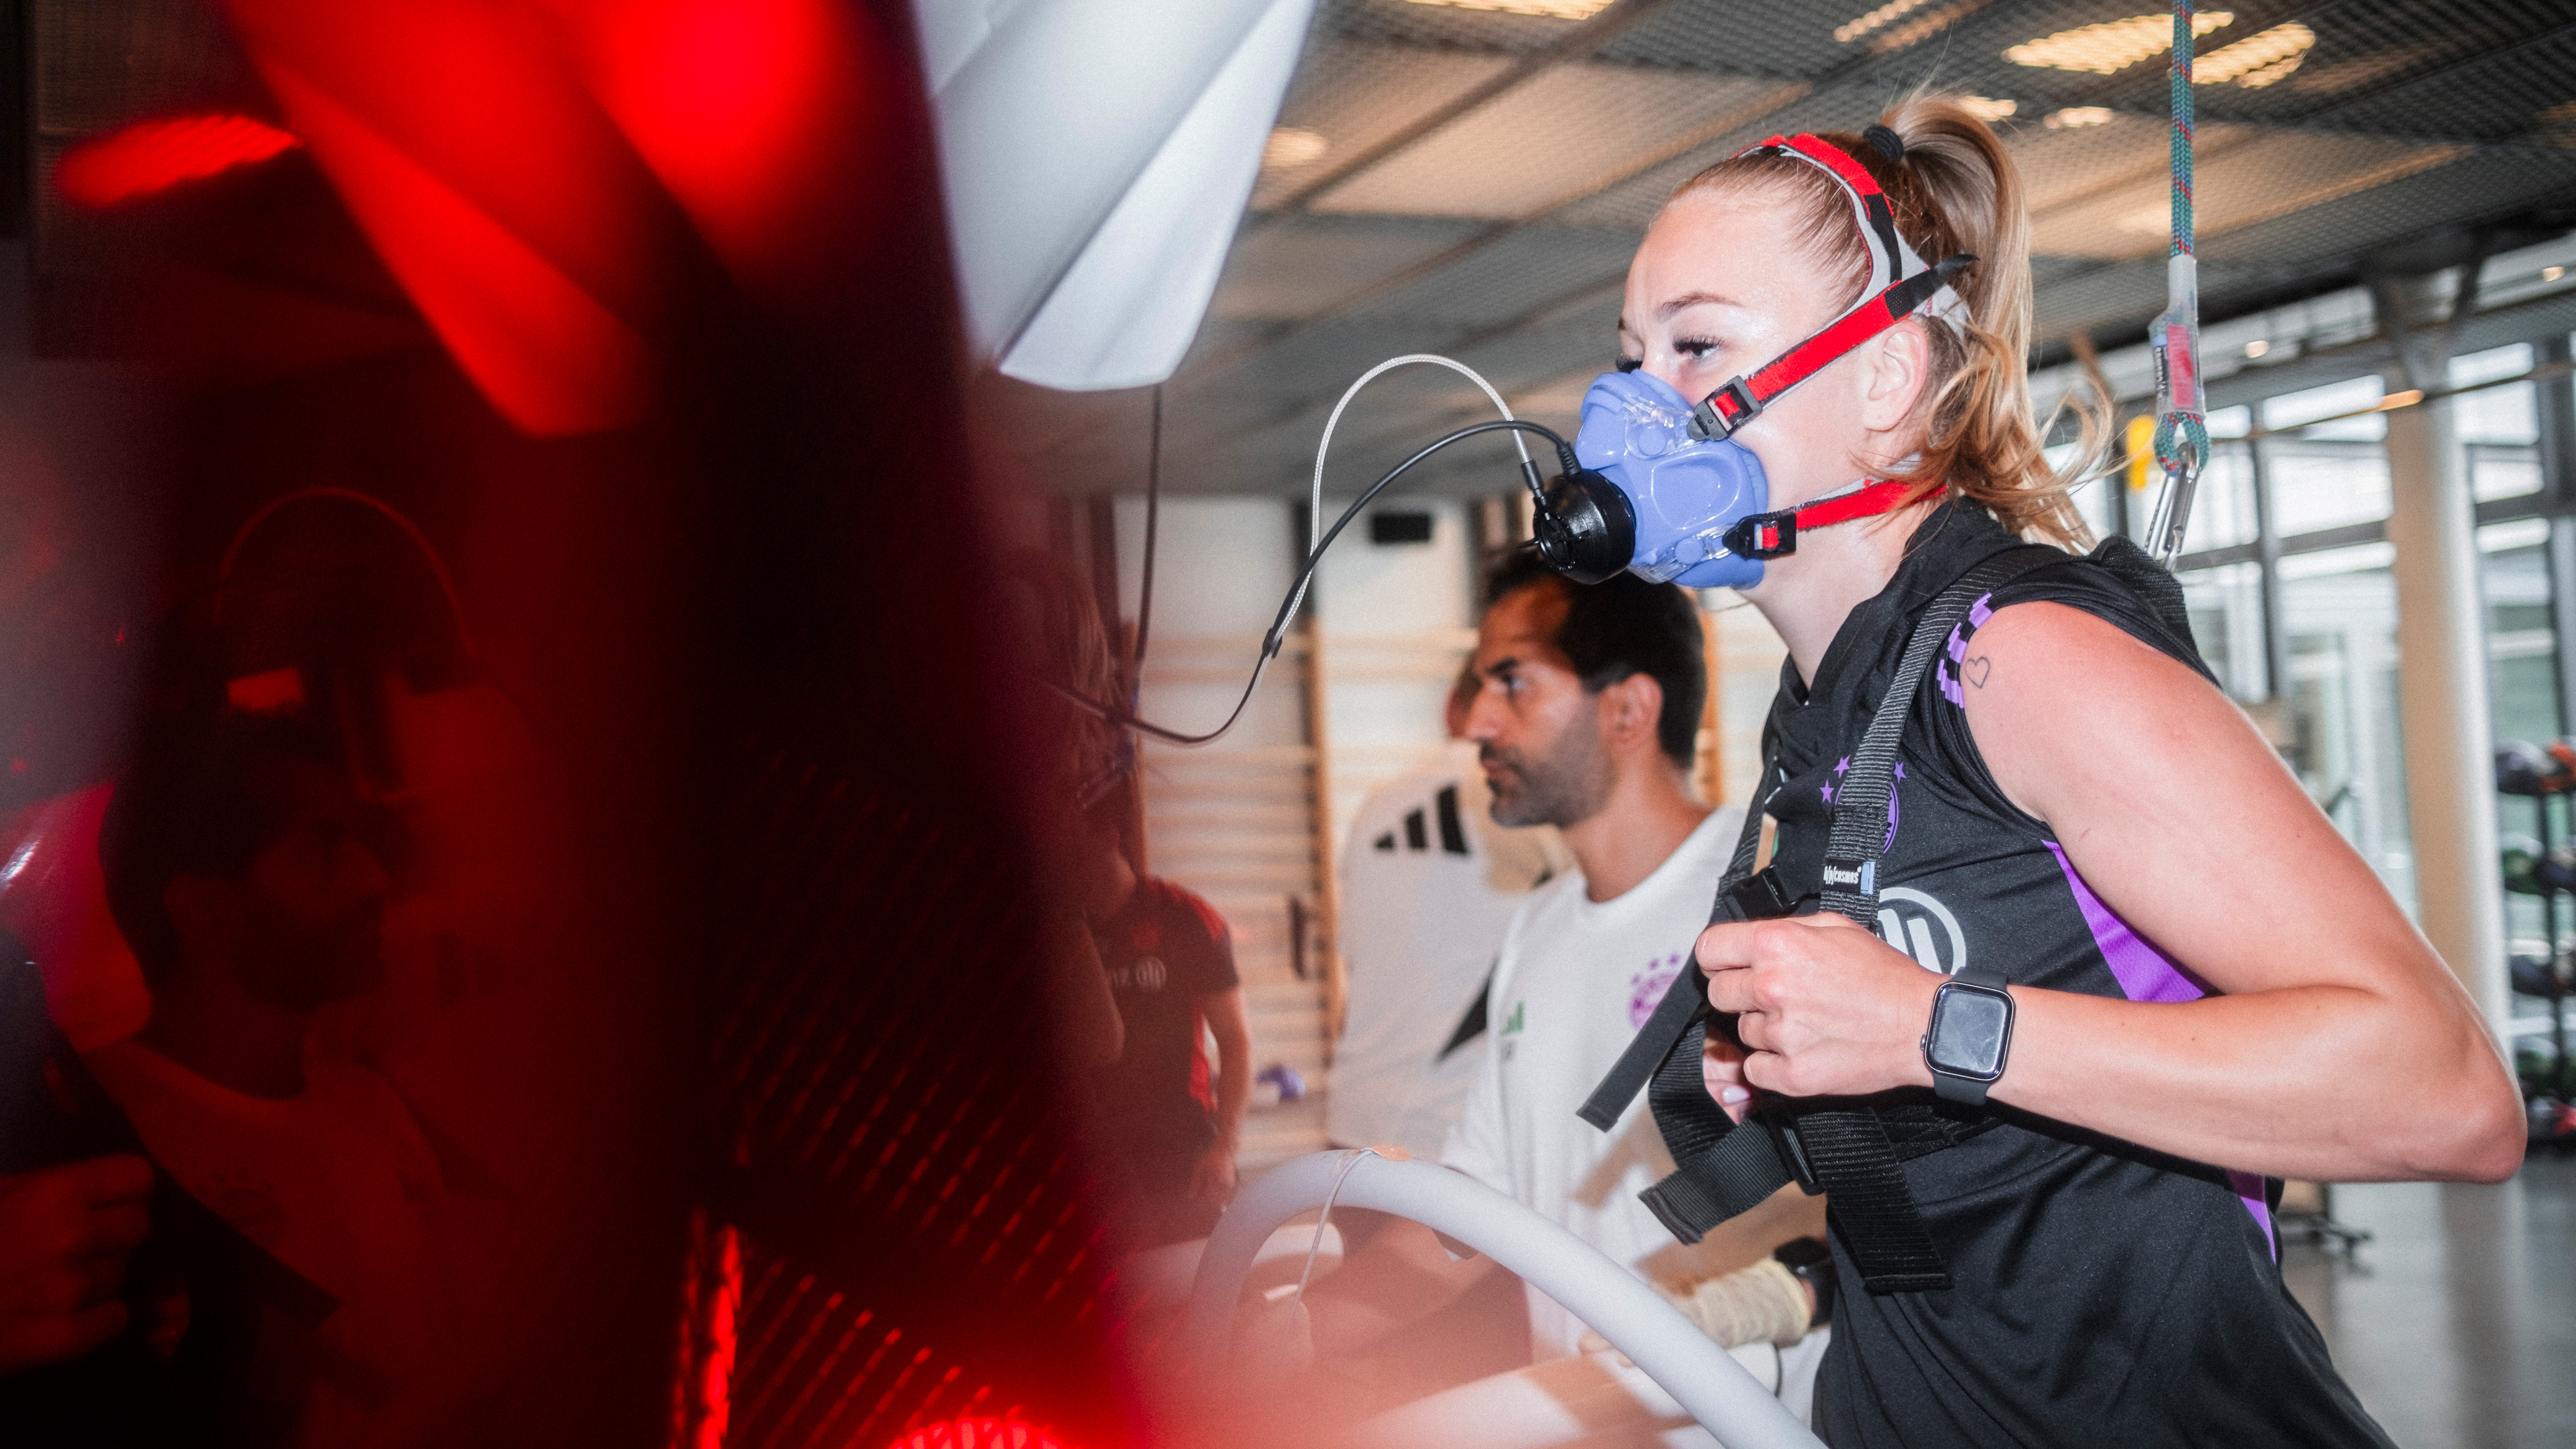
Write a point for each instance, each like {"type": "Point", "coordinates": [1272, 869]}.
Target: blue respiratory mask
{"type": "Point", "coordinates": [1683, 495]}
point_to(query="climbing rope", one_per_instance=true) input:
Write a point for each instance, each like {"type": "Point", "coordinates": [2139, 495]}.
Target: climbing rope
{"type": "Point", "coordinates": [2182, 434]}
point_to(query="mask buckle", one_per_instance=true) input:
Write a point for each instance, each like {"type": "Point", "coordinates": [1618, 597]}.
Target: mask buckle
{"type": "Point", "coordinates": [1723, 411]}
{"type": "Point", "coordinates": [1763, 535]}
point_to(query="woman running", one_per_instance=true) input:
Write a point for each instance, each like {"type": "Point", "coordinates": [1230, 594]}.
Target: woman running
{"type": "Point", "coordinates": [2207, 987]}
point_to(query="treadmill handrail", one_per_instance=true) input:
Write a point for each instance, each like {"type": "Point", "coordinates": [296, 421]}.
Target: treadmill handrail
{"type": "Point", "coordinates": [1726, 1399]}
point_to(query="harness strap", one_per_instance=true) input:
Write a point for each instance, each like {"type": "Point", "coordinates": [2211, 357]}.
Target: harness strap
{"type": "Point", "coordinates": [1844, 1151]}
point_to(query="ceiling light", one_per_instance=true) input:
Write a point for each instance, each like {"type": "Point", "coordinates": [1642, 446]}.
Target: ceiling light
{"type": "Point", "coordinates": [1552, 9]}
{"type": "Point", "coordinates": [2257, 347]}
{"type": "Point", "coordinates": [1292, 146]}
{"type": "Point", "coordinates": [2074, 116]}
{"type": "Point", "coordinates": [1854, 30]}
{"type": "Point", "coordinates": [1988, 108]}
{"type": "Point", "coordinates": [2257, 60]}
{"type": "Point", "coordinates": [2112, 45]}
{"type": "Point", "coordinates": [2551, 274]}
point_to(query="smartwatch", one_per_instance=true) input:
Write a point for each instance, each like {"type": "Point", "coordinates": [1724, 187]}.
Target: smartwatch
{"type": "Point", "coordinates": [1969, 1037]}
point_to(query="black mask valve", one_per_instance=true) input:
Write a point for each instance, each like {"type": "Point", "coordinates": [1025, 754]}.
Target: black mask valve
{"type": "Point", "coordinates": [1586, 529]}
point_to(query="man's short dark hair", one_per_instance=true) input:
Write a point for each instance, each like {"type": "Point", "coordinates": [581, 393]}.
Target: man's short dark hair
{"type": "Point", "coordinates": [202, 798]}
{"type": "Point", "coordinates": [1620, 627]}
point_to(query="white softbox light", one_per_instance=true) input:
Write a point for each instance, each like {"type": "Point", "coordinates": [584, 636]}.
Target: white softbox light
{"type": "Point", "coordinates": [1097, 155]}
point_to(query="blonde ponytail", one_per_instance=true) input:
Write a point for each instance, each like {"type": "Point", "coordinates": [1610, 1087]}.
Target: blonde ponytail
{"type": "Point", "coordinates": [1956, 190]}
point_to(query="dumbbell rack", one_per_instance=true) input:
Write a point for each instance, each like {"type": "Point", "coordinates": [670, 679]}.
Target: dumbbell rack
{"type": "Point", "coordinates": [2554, 960]}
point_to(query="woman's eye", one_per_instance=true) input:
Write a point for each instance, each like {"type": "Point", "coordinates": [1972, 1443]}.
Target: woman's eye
{"type": "Point", "coordinates": [1628, 364]}
{"type": "Point", "coordinates": [1696, 349]}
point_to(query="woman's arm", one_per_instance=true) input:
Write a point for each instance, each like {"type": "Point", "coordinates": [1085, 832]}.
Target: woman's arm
{"type": "Point", "coordinates": [2341, 1049]}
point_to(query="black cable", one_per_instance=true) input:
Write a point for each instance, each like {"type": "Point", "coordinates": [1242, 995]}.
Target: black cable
{"type": "Point", "coordinates": [1145, 595]}
{"type": "Point", "coordinates": [1271, 642]}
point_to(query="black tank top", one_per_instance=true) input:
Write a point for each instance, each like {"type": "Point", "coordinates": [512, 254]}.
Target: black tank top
{"type": "Point", "coordinates": [2104, 1294]}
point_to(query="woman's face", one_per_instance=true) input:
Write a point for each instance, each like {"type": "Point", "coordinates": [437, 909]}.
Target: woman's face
{"type": "Point", "coordinates": [1720, 287]}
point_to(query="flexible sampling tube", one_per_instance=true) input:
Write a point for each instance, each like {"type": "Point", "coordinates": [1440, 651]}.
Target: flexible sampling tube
{"type": "Point", "coordinates": [1717, 1390]}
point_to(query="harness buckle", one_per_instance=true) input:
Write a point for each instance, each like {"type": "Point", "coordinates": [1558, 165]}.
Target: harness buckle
{"type": "Point", "coordinates": [1763, 535]}
{"type": "Point", "coordinates": [1775, 1116]}
{"type": "Point", "coordinates": [1723, 411]}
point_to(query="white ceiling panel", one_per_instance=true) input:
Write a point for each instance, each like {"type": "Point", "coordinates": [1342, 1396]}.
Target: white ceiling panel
{"type": "Point", "coordinates": [1349, 96]}
{"type": "Point", "coordinates": [1565, 132]}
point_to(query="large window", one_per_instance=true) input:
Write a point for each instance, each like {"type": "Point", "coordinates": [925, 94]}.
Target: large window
{"type": "Point", "coordinates": [2522, 677]}
{"type": "Point", "coordinates": [2327, 474]}
{"type": "Point", "coordinates": [2339, 616]}
{"type": "Point", "coordinates": [2500, 426]}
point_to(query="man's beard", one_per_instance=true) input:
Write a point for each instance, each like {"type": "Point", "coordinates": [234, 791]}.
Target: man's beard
{"type": "Point", "coordinates": [1565, 785]}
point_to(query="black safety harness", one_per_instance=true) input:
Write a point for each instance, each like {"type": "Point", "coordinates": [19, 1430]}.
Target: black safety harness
{"type": "Point", "coordinates": [1853, 1151]}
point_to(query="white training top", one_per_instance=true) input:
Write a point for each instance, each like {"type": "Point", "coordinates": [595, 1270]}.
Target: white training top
{"type": "Point", "coordinates": [340, 1184]}
{"type": "Point", "coordinates": [1429, 885]}
{"type": "Point", "coordinates": [1576, 979]}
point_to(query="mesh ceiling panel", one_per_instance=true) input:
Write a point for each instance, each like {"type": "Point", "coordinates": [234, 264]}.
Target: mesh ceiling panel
{"type": "Point", "coordinates": [1349, 96]}
{"type": "Point", "coordinates": [1734, 37]}
{"type": "Point", "coordinates": [1441, 26]}
{"type": "Point", "coordinates": [1564, 133]}
{"type": "Point", "coordinates": [2065, 167]}
{"type": "Point", "coordinates": [2499, 96]}
{"type": "Point", "coordinates": [1533, 268]}
{"type": "Point", "coordinates": [1295, 266]}
{"type": "Point", "coordinates": [2269, 175]}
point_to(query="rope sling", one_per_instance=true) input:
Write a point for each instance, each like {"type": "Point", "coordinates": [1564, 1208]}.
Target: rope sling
{"type": "Point", "coordinates": [2182, 432]}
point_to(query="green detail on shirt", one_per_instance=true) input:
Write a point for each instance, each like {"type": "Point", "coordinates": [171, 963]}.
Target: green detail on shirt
{"type": "Point", "coordinates": [1512, 1023]}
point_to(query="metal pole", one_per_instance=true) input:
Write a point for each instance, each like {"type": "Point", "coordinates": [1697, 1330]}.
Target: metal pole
{"type": "Point", "coordinates": [2267, 544]}
{"type": "Point", "coordinates": [2443, 701]}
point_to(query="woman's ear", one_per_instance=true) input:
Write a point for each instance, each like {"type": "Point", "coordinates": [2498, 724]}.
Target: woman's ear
{"type": "Point", "coordinates": [1899, 364]}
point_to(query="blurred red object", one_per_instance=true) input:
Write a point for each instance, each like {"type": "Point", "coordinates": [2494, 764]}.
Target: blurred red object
{"type": "Point", "coordinates": [157, 155]}
{"type": "Point", "coordinates": [980, 1434]}
{"type": "Point", "coordinates": [54, 899]}
{"type": "Point", "coordinates": [518, 220]}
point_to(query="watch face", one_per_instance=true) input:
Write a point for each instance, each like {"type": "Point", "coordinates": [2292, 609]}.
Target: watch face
{"type": "Point", "coordinates": [1968, 1026]}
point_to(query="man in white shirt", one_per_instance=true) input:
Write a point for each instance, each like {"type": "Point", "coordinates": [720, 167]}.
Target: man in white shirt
{"type": "Point", "coordinates": [1587, 720]}
{"type": "Point", "coordinates": [1429, 885]}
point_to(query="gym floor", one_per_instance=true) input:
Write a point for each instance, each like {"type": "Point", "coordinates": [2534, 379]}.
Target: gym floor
{"type": "Point", "coordinates": [2456, 1322]}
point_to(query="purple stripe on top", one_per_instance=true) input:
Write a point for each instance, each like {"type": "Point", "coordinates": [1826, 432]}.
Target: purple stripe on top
{"type": "Point", "coordinates": [2147, 974]}
{"type": "Point", "coordinates": [1957, 650]}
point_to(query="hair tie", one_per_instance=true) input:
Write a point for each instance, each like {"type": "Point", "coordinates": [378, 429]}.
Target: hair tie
{"type": "Point", "coordinates": [1886, 143]}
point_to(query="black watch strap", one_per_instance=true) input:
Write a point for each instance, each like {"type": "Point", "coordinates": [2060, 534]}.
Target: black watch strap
{"type": "Point", "coordinates": [1812, 1263]}
{"type": "Point", "coordinates": [1949, 1086]}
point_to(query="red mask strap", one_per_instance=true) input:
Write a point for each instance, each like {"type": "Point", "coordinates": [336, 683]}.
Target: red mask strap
{"type": "Point", "coordinates": [1769, 535]}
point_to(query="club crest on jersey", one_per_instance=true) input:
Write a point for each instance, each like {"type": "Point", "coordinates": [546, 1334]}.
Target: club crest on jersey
{"type": "Point", "coordinates": [1147, 974]}
{"type": "Point", "coordinates": [1923, 928]}
{"type": "Point", "coordinates": [1646, 988]}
